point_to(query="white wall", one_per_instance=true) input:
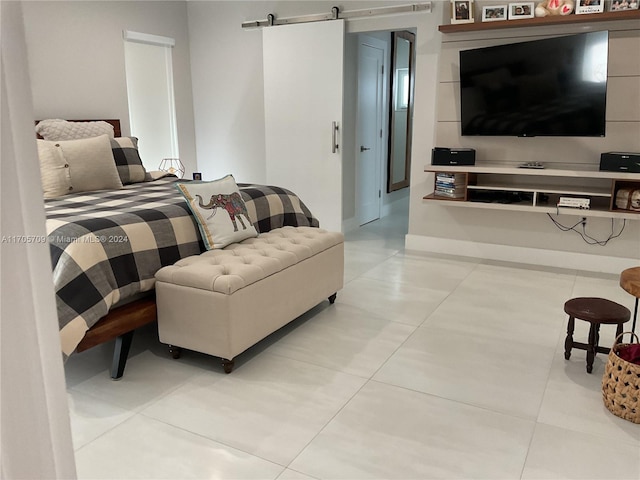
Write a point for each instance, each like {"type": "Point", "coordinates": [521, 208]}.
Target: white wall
{"type": "Point", "coordinates": [228, 83]}
{"type": "Point", "coordinates": [35, 440]}
{"type": "Point", "coordinates": [76, 60]}
{"type": "Point", "coordinates": [228, 89]}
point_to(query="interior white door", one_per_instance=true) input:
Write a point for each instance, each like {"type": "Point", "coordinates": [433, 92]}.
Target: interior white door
{"type": "Point", "coordinates": [369, 143]}
{"type": "Point", "coordinates": [303, 88]}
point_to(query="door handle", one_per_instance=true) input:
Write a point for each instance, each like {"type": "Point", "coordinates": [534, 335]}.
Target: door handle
{"type": "Point", "coordinates": [334, 137]}
{"type": "Point", "coordinates": [363, 149]}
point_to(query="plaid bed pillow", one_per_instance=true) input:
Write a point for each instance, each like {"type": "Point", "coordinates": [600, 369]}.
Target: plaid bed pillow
{"type": "Point", "coordinates": [128, 161]}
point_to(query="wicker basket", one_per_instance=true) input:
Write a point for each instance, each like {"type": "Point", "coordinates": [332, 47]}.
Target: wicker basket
{"type": "Point", "coordinates": [621, 383]}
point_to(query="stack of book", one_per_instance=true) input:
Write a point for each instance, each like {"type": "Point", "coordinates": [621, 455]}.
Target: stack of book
{"type": "Point", "coordinates": [451, 185]}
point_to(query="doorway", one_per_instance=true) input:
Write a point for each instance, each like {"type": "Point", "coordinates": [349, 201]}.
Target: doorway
{"type": "Point", "coordinates": [378, 191]}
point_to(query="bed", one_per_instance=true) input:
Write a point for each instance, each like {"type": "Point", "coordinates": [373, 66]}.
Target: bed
{"type": "Point", "coordinates": [106, 247]}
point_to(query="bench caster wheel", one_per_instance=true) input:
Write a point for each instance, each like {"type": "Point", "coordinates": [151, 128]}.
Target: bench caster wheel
{"type": "Point", "coordinates": [175, 351]}
{"type": "Point", "coordinates": [227, 365]}
{"type": "Point", "coordinates": [332, 298]}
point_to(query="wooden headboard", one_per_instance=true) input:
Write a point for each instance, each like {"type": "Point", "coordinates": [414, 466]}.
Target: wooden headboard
{"type": "Point", "coordinates": [115, 122]}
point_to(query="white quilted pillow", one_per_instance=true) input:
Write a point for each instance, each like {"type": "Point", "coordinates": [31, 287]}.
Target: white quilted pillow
{"type": "Point", "coordinates": [56, 129]}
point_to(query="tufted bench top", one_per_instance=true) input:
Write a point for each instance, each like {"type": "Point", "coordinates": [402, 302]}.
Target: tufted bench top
{"type": "Point", "coordinates": [241, 264]}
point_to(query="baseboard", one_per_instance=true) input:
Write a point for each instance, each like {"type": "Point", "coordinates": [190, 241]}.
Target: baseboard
{"type": "Point", "coordinates": [531, 256]}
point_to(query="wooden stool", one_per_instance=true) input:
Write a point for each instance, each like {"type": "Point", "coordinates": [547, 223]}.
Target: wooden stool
{"type": "Point", "coordinates": [596, 311]}
{"type": "Point", "coordinates": [630, 281]}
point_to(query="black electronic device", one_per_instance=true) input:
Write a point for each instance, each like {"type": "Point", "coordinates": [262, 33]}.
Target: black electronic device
{"type": "Point", "coordinates": [620, 162]}
{"type": "Point", "coordinates": [548, 87]}
{"type": "Point", "coordinates": [453, 156]}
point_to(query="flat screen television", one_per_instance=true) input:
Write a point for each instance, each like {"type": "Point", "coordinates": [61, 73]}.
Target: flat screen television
{"type": "Point", "coordinates": [550, 87]}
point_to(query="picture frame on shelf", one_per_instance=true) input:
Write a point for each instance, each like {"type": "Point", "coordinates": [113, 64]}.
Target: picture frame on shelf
{"type": "Point", "coordinates": [494, 13]}
{"type": "Point", "coordinates": [521, 10]}
{"type": "Point", "coordinates": [589, 6]}
{"type": "Point", "coordinates": [621, 5]}
{"type": "Point", "coordinates": [462, 11]}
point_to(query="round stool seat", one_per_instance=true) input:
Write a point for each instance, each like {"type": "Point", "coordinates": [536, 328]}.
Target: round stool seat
{"type": "Point", "coordinates": [597, 310]}
{"type": "Point", "coordinates": [630, 281]}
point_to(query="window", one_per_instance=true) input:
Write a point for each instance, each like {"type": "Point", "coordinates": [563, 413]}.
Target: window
{"type": "Point", "coordinates": [152, 115]}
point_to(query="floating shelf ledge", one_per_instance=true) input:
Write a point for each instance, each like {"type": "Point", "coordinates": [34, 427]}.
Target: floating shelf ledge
{"type": "Point", "coordinates": [541, 21]}
{"type": "Point", "coordinates": [542, 172]}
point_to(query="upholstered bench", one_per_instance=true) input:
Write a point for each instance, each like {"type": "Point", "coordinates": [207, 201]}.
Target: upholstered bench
{"type": "Point", "coordinates": [224, 301]}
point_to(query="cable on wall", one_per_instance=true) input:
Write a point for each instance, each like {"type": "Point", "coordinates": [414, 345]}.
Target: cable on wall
{"type": "Point", "coordinates": [336, 14]}
{"type": "Point", "coordinates": [587, 238]}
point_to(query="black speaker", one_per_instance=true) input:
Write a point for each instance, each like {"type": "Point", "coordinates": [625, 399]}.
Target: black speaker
{"type": "Point", "coordinates": [453, 156]}
{"type": "Point", "coordinates": [620, 162]}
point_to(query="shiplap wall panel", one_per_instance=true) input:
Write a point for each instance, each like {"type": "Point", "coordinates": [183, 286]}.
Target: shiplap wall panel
{"type": "Point", "coordinates": [620, 136]}
{"type": "Point", "coordinates": [623, 100]}
{"type": "Point", "coordinates": [619, 41]}
{"type": "Point", "coordinates": [449, 102]}
{"type": "Point", "coordinates": [624, 53]}
{"type": "Point", "coordinates": [623, 103]}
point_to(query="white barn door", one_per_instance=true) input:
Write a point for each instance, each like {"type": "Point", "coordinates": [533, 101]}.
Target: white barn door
{"type": "Point", "coordinates": [303, 88]}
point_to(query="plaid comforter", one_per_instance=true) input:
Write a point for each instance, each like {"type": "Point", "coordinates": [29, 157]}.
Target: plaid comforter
{"type": "Point", "coordinates": [107, 246]}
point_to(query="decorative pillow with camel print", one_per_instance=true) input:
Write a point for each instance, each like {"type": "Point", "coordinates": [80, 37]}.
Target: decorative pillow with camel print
{"type": "Point", "coordinates": [219, 210]}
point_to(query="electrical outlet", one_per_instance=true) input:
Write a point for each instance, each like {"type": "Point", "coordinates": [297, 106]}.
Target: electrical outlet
{"type": "Point", "coordinates": [584, 221]}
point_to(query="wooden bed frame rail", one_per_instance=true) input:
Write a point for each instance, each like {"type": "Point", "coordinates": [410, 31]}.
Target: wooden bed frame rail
{"type": "Point", "coordinates": [120, 324]}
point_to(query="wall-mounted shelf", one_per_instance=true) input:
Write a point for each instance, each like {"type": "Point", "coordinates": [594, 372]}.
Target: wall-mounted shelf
{"type": "Point", "coordinates": [541, 21]}
{"type": "Point", "coordinates": [536, 190]}
{"type": "Point", "coordinates": [498, 168]}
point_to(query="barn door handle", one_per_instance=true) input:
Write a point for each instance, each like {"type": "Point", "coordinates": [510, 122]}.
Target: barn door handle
{"type": "Point", "coordinates": [334, 137]}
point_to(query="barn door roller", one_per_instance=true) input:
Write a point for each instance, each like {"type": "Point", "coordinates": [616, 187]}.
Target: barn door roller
{"type": "Point", "coordinates": [335, 14]}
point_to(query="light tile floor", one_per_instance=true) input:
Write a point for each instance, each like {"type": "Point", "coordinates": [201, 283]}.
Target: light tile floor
{"type": "Point", "coordinates": [426, 367]}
